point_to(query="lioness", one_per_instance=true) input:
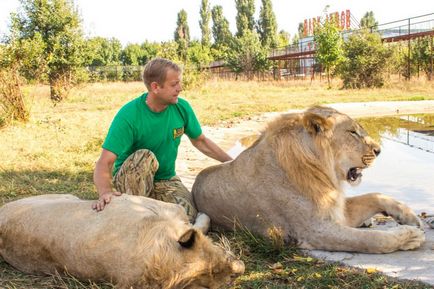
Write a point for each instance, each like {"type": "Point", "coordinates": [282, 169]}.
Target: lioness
{"type": "Point", "coordinates": [136, 242]}
{"type": "Point", "coordinates": [291, 179]}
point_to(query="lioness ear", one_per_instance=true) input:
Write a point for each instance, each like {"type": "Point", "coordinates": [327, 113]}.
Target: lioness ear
{"type": "Point", "coordinates": [316, 124]}
{"type": "Point", "coordinates": [187, 239]}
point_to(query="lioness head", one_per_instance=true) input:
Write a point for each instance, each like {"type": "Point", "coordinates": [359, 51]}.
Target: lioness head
{"type": "Point", "coordinates": [321, 145]}
{"type": "Point", "coordinates": [207, 265]}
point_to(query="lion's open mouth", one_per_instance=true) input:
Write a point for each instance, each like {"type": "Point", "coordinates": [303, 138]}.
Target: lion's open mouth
{"type": "Point", "coordinates": [354, 176]}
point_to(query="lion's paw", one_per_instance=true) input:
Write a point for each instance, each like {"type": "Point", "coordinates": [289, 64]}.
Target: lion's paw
{"type": "Point", "coordinates": [409, 237]}
{"type": "Point", "coordinates": [407, 217]}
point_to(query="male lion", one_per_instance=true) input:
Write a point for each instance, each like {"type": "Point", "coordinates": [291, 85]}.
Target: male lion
{"type": "Point", "coordinates": [291, 179]}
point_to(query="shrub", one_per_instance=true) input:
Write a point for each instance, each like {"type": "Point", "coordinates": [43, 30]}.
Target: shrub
{"type": "Point", "coordinates": [365, 61]}
{"type": "Point", "coordinates": [12, 106]}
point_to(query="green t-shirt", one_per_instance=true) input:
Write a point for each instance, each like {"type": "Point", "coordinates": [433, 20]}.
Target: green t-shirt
{"type": "Point", "coordinates": [136, 127]}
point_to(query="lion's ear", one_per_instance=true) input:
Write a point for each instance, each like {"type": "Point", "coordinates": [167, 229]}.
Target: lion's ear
{"type": "Point", "coordinates": [316, 124]}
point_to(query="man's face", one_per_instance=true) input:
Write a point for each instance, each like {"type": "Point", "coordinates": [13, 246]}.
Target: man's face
{"type": "Point", "coordinates": [169, 91]}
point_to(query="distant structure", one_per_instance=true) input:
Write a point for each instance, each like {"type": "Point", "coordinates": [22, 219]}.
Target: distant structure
{"type": "Point", "coordinates": [297, 61]}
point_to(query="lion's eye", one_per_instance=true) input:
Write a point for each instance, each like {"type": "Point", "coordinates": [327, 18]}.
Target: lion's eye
{"type": "Point", "coordinates": [354, 133]}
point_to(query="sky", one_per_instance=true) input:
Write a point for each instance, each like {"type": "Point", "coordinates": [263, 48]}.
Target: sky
{"type": "Point", "coordinates": [135, 21]}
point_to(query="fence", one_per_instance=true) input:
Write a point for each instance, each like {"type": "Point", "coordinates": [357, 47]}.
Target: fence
{"type": "Point", "coordinates": [115, 73]}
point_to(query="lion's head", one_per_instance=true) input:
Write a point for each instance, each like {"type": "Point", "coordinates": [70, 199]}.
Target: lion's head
{"type": "Point", "coordinates": [320, 148]}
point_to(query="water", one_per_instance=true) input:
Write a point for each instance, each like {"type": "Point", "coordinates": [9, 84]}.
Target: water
{"type": "Point", "coordinates": [405, 168]}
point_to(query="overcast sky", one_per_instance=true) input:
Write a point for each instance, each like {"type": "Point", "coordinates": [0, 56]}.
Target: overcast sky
{"type": "Point", "coordinates": [134, 21]}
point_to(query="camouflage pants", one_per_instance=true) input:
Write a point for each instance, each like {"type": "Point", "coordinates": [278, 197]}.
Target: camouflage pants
{"type": "Point", "coordinates": [136, 177]}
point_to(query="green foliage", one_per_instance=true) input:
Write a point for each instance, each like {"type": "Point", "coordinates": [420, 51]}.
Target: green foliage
{"type": "Point", "coordinates": [101, 51]}
{"type": "Point", "coordinates": [132, 54]}
{"type": "Point", "coordinates": [365, 61]}
{"type": "Point", "coordinates": [283, 38]}
{"type": "Point", "coordinates": [169, 50]}
{"type": "Point", "coordinates": [300, 30]}
{"type": "Point", "coordinates": [205, 17]}
{"type": "Point", "coordinates": [423, 55]}
{"type": "Point", "coordinates": [247, 55]}
{"type": "Point", "coordinates": [182, 34]}
{"type": "Point", "coordinates": [245, 16]}
{"type": "Point", "coordinates": [368, 21]}
{"type": "Point", "coordinates": [328, 46]}
{"type": "Point", "coordinates": [267, 25]}
{"type": "Point", "coordinates": [199, 55]}
{"type": "Point", "coordinates": [54, 26]}
{"type": "Point", "coordinates": [220, 29]}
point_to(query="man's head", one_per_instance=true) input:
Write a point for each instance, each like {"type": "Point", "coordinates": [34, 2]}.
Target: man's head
{"type": "Point", "coordinates": [162, 77]}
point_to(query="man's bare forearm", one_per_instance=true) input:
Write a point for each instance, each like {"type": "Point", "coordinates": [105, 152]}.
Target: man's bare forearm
{"type": "Point", "coordinates": [211, 149]}
{"type": "Point", "coordinates": [102, 178]}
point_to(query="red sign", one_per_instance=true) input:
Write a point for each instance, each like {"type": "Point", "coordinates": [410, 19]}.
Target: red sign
{"type": "Point", "coordinates": [342, 21]}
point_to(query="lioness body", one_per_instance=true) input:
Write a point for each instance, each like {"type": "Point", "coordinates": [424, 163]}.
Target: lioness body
{"type": "Point", "coordinates": [291, 179]}
{"type": "Point", "coordinates": [135, 241]}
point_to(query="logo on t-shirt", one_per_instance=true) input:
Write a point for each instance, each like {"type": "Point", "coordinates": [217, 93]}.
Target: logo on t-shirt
{"type": "Point", "coordinates": [177, 132]}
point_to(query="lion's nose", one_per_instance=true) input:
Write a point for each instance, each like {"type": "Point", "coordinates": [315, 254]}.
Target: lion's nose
{"type": "Point", "coordinates": [377, 151]}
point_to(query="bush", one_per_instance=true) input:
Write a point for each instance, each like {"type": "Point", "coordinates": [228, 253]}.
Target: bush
{"type": "Point", "coordinates": [12, 106]}
{"type": "Point", "coordinates": [365, 61]}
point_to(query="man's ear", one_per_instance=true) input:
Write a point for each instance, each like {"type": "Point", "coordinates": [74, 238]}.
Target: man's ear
{"type": "Point", "coordinates": [154, 86]}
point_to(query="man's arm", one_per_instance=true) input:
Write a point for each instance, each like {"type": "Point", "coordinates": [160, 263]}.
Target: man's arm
{"type": "Point", "coordinates": [209, 148]}
{"type": "Point", "coordinates": [102, 177]}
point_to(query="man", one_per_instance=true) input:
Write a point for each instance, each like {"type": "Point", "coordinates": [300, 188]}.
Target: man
{"type": "Point", "coordinates": [143, 139]}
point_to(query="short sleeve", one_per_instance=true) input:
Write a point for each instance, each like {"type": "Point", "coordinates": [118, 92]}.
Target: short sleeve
{"type": "Point", "coordinates": [192, 126]}
{"type": "Point", "coordinates": [120, 136]}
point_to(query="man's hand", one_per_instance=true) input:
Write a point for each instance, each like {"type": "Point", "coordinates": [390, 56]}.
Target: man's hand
{"type": "Point", "coordinates": [103, 200]}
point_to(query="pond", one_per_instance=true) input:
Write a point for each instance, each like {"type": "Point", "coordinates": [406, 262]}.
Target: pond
{"type": "Point", "coordinates": [405, 167]}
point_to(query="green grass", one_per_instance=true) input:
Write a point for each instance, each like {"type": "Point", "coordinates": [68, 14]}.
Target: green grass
{"type": "Point", "coordinates": [55, 153]}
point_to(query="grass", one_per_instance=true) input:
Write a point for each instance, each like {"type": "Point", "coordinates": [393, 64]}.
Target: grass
{"type": "Point", "coordinates": [55, 153]}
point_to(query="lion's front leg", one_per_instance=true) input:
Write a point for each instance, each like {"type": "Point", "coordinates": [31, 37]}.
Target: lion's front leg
{"type": "Point", "coordinates": [360, 208]}
{"type": "Point", "coordinates": [336, 237]}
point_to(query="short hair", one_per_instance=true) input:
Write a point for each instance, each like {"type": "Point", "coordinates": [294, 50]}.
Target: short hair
{"type": "Point", "coordinates": [156, 70]}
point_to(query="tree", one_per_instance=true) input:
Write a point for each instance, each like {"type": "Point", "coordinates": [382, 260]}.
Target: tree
{"type": "Point", "coordinates": [365, 61]}
{"type": "Point", "coordinates": [132, 54]}
{"type": "Point", "coordinates": [150, 50]}
{"type": "Point", "coordinates": [300, 30]}
{"type": "Point", "coordinates": [423, 55]}
{"type": "Point", "coordinates": [182, 34]}
{"type": "Point", "coordinates": [283, 38]}
{"type": "Point", "coordinates": [267, 25]}
{"type": "Point", "coordinates": [102, 51]}
{"type": "Point", "coordinates": [199, 55]}
{"type": "Point", "coordinates": [244, 19]}
{"type": "Point", "coordinates": [220, 28]}
{"type": "Point", "coordinates": [248, 55]}
{"type": "Point", "coordinates": [368, 21]}
{"type": "Point", "coordinates": [205, 16]}
{"type": "Point", "coordinates": [58, 25]}
{"type": "Point", "coordinates": [328, 51]}
{"type": "Point", "coordinates": [169, 50]}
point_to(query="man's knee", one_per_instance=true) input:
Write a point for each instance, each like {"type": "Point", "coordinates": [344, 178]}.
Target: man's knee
{"type": "Point", "coordinates": [136, 175]}
{"type": "Point", "coordinates": [145, 159]}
